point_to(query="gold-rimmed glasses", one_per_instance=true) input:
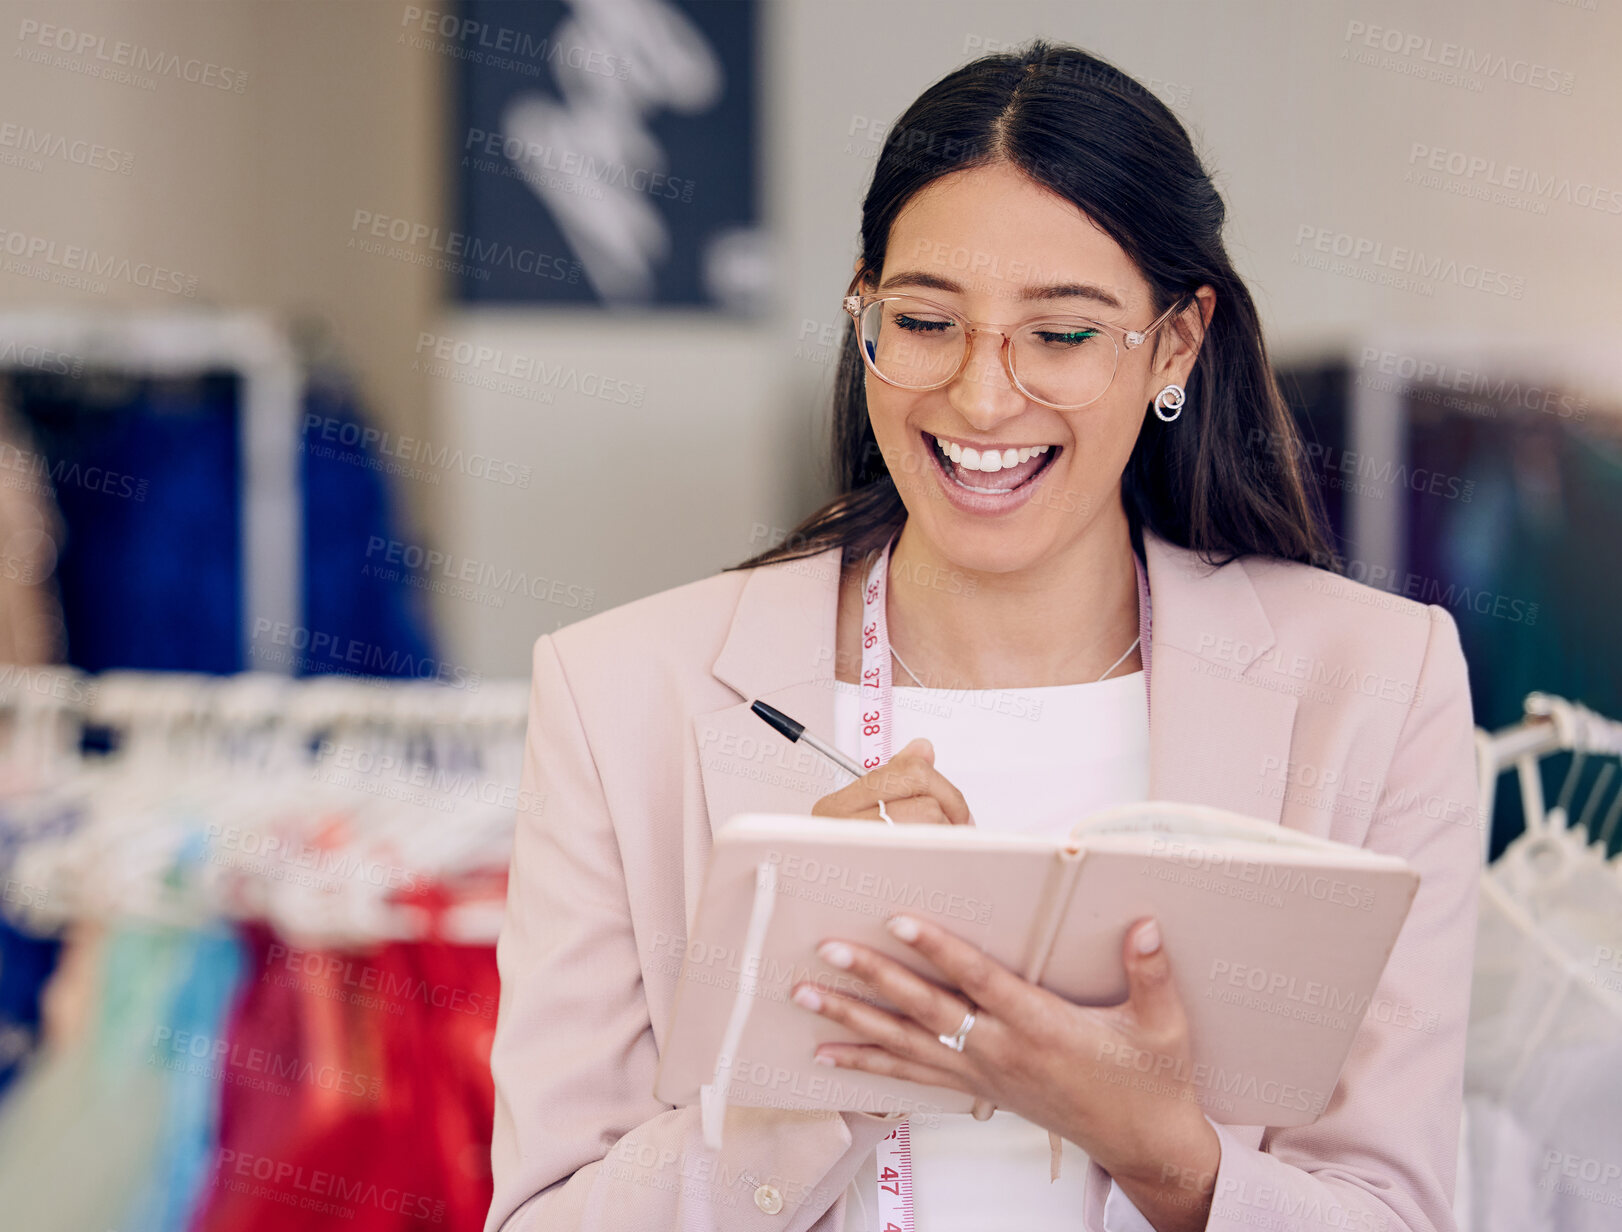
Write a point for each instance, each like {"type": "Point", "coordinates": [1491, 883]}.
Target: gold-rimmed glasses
{"type": "Point", "coordinates": [1058, 359]}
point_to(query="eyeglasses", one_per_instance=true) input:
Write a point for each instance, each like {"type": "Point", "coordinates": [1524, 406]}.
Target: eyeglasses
{"type": "Point", "coordinates": [1061, 361]}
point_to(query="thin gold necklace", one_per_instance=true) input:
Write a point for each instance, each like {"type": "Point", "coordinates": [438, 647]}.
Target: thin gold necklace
{"type": "Point", "coordinates": [1107, 670]}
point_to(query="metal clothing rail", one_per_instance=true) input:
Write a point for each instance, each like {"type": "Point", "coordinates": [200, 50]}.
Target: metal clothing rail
{"type": "Point", "coordinates": [425, 776]}
{"type": "Point", "coordinates": [120, 699]}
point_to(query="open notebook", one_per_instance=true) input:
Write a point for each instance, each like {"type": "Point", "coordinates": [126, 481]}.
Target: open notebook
{"type": "Point", "coordinates": [1276, 938]}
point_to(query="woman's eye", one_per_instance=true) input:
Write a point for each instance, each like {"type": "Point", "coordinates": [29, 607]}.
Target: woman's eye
{"type": "Point", "coordinates": [921, 325]}
{"type": "Point", "coordinates": [1065, 337]}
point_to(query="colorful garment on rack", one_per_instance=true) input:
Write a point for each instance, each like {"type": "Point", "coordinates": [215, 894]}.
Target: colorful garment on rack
{"type": "Point", "coordinates": [353, 530]}
{"type": "Point", "coordinates": [1522, 565]}
{"type": "Point", "coordinates": [357, 1088]}
{"type": "Point", "coordinates": [25, 964]}
{"type": "Point", "coordinates": [141, 465]}
{"type": "Point", "coordinates": [125, 1094]}
{"type": "Point", "coordinates": [207, 974]}
{"type": "Point", "coordinates": [26, 961]}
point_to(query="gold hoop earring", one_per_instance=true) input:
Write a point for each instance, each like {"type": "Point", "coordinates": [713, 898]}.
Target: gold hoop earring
{"type": "Point", "coordinates": [1169, 399]}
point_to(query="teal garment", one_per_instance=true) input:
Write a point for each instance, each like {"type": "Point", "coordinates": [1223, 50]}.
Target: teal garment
{"type": "Point", "coordinates": [118, 1130]}
{"type": "Point", "coordinates": [1533, 571]}
{"type": "Point", "coordinates": [1562, 552]}
{"type": "Point", "coordinates": [78, 1133]}
{"type": "Point", "coordinates": [1570, 556]}
{"type": "Point", "coordinates": [207, 969]}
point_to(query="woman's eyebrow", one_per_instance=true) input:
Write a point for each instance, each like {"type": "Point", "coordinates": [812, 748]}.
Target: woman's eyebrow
{"type": "Point", "coordinates": [1057, 290]}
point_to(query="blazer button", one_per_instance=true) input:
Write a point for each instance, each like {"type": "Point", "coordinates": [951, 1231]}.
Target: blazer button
{"type": "Point", "coordinates": [768, 1199]}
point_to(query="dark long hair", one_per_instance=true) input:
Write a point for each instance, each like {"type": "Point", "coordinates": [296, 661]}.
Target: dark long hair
{"type": "Point", "coordinates": [1226, 479]}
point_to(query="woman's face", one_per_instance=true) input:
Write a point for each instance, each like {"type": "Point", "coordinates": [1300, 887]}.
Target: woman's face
{"type": "Point", "coordinates": [1002, 250]}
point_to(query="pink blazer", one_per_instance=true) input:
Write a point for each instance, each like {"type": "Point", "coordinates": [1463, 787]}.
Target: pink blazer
{"type": "Point", "coordinates": [1277, 690]}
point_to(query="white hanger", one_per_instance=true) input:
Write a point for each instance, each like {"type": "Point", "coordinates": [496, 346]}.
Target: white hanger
{"type": "Point", "coordinates": [1553, 873]}
{"type": "Point", "coordinates": [211, 769]}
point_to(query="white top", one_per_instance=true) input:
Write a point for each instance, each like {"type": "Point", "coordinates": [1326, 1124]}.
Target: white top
{"type": "Point", "coordinates": [1033, 761]}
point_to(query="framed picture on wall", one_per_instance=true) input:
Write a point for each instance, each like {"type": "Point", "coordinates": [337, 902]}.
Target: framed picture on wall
{"type": "Point", "coordinates": [607, 153]}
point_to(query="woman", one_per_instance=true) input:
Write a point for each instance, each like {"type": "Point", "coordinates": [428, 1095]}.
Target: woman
{"type": "Point", "coordinates": [1069, 498]}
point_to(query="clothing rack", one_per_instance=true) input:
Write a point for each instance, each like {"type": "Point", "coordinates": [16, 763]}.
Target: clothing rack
{"type": "Point", "coordinates": [266, 762]}
{"type": "Point", "coordinates": [311, 703]}
{"type": "Point", "coordinates": [278, 901]}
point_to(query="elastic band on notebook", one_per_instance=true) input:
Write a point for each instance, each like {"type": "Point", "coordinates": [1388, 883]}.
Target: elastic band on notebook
{"type": "Point", "coordinates": [712, 1096]}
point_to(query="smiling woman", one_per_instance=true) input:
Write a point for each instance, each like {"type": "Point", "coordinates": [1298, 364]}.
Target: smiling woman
{"type": "Point", "coordinates": [1054, 358]}
{"type": "Point", "coordinates": [1051, 390]}
{"type": "Point", "coordinates": [1042, 190]}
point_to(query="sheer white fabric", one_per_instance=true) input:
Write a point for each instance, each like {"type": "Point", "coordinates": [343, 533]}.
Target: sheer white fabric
{"type": "Point", "coordinates": [1543, 1075]}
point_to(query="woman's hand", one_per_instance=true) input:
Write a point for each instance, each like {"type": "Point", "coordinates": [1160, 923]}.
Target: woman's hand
{"type": "Point", "coordinates": [911, 788]}
{"type": "Point", "coordinates": [1116, 1080]}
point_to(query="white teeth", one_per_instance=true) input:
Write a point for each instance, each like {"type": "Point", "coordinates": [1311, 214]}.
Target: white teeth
{"type": "Point", "coordinates": [991, 460]}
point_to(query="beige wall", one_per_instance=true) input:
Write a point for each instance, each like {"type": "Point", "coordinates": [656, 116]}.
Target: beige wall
{"type": "Point", "coordinates": [251, 193]}
{"type": "Point", "coordinates": [255, 193]}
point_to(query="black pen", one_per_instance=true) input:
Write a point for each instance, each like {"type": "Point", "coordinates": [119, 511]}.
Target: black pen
{"type": "Point", "coordinates": [796, 731]}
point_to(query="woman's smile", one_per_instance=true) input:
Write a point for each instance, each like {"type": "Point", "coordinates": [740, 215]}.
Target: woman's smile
{"type": "Point", "coordinates": [992, 478]}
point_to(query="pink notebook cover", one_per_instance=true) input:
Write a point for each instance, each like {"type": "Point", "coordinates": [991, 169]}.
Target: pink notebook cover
{"type": "Point", "coordinates": [1277, 941]}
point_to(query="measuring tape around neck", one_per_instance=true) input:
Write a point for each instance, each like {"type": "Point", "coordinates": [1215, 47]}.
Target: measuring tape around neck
{"type": "Point", "coordinates": [893, 1155]}
{"type": "Point", "coordinates": [894, 1152]}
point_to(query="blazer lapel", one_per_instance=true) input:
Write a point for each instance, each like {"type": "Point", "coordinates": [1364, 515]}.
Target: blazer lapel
{"type": "Point", "coordinates": [779, 650]}
{"type": "Point", "coordinates": [1213, 733]}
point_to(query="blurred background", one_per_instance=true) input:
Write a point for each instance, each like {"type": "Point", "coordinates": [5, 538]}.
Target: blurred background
{"type": "Point", "coordinates": [345, 348]}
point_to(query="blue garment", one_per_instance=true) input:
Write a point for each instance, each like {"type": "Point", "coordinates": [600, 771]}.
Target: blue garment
{"type": "Point", "coordinates": [25, 964]}
{"type": "Point", "coordinates": [348, 511]}
{"type": "Point", "coordinates": [148, 477]}
{"type": "Point", "coordinates": [26, 961]}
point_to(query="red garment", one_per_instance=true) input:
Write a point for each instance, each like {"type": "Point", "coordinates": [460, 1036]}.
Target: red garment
{"type": "Point", "coordinates": [357, 1090]}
